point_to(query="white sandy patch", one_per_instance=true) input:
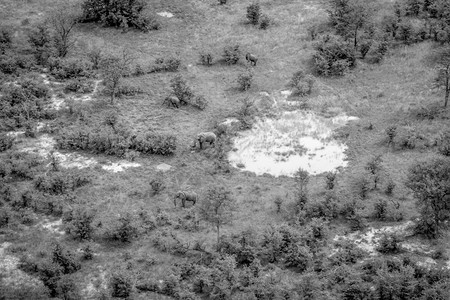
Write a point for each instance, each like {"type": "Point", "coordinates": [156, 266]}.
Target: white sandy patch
{"type": "Point", "coordinates": [73, 160]}
{"type": "Point", "coordinates": [15, 133]}
{"type": "Point", "coordinates": [229, 121]}
{"type": "Point", "coordinates": [163, 167]}
{"type": "Point", "coordinates": [296, 139]}
{"type": "Point", "coordinates": [52, 226]}
{"type": "Point", "coordinates": [11, 275]}
{"type": "Point", "coordinates": [45, 144]}
{"type": "Point", "coordinates": [41, 146]}
{"type": "Point", "coordinates": [368, 240]}
{"type": "Point", "coordinates": [120, 166]}
{"type": "Point", "coordinates": [165, 14]}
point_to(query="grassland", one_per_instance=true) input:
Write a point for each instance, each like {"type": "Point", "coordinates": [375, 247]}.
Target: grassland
{"type": "Point", "coordinates": [379, 94]}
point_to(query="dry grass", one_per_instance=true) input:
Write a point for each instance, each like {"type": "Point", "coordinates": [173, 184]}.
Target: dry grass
{"type": "Point", "coordinates": [378, 94]}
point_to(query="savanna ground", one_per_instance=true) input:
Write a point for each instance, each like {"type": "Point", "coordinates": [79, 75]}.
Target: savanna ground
{"type": "Point", "coordinates": [379, 94]}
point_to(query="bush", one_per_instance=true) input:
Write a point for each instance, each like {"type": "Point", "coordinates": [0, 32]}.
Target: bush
{"type": "Point", "coordinates": [231, 54]}
{"type": "Point", "coordinates": [62, 182]}
{"type": "Point", "coordinates": [79, 85]}
{"type": "Point", "coordinates": [253, 13]}
{"type": "Point", "coordinates": [42, 44]}
{"type": "Point", "coordinates": [157, 183]}
{"type": "Point", "coordinates": [365, 47]}
{"type": "Point", "coordinates": [170, 64]}
{"type": "Point", "coordinates": [301, 83]}
{"type": "Point", "coordinates": [245, 80]}
{"type": "Point", "coordinates": [333, 56]}
{"type": "Point", "coordinates": [330, 180]}
{"type": "Point", "coordinates": [120, 284]}
{"type": "Point", "coordinates": [380, 210]}
{"type": "Point", "coordinates": [128, 90]}
{"type": "Point", "coordinates": [78, 223]}
{"type": "Point", "coordinates": [123, 229]}
{"type": "Point", "coordinates": [6, 141]}
{"type": "Point", "coordinates": [206, 58]}
{"type": "Point", "coordinates": [199, 102]}
{"type": "Point", "coordinates": [390, 186]}
{"type": "Point", "coordinates": [264, 22]}
{"type": "Point", "coordinates": [391, 133]}
{"type": "Point", "coordinates": [124, 14]}
{"type": "Point", "coordinates": [181, 89]}
{"type": "Point", "coordinates": [389, 243]}
{"type": "Point", "coordinates": [105, 141]}
{"type": "Point", "coordinates": [67, 289]}
{"type": "Point", "coordinates": [70, 68]}
{"type": "Point", "coordinates": [65, 259]}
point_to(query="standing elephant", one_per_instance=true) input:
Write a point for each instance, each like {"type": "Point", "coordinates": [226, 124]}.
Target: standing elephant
{"type": "Point", "coordinates": [251, 58]}
{"type": "Point", "coordinates": [172, 100]}
{"type": "Point", "coordinates": [185, 196]}
{"type": "Point", "coordinates": [209, 137]}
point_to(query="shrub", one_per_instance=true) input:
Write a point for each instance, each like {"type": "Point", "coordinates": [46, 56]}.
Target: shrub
{"type": "Point", "coordinates": [5, 39]}
{"type": "Point", "coordinates": [365, 47]}
{"type": "Point", "coordinates": [253, 13]}
{"type": "Point", "coordinates": [78, 223]}
{"type": "Point", "coordinates": [67, 289]}
{"type": "Point", "coordinates": [105, 141]}
{"type": "Point", "coordinates": [231, 54]}
{"type": "Point", "coordinates": [124, 14]}
{"type": "Point", "coordinates": [87, 252]}
{"type": "Point", "coordinates": [330, 180]}
{"type": "Point", "coordinates": [95, 56]}
{"type": "Point", "coordinates": [138, 70]}
{"type": "Point", "coordinates": [6, 141]}
{"type": "Point", "coordinates": [390, 186]}
{"type": "Point", "coordinates": [301, 83]}
{"type": "Point", "coordinates": [170, 64]}
{"type": "Point", "coordinates": [380, 210]}
{"type": "Point", "coordinates": [79, 86]}
{"type": "Point", "coordinates": [70, 68]}
{"type": "Point", "coordinates": [206, 58]}
{"type": "Point", "coordinates": [245, 80]}
{"type": "Point", "coordinates": [181, 89]}
{"type": "Point", "coordinates": [42, 44]}
{"type": "Point", "coordinates": [278, 202]}
{"type": "Point", "coordinates": [389, 243]}
{"type": "Point", "coordinates": [65, 259]}
{"type": "Point", "coordinates": [62, 182]}
{"type": "Point", "coordinates": [391, 133]}
{"type": "Point", "coordinates": [333, 56]}
{"type": "Point", "coordinates": [128, 90]}
{"type": "Point", "coordinates": [157, 183]}
{"type": "Point", "coordinates": [199, 102]}
{"type": "Point", "coordinates": [123, 229]}
{"type": "Point", "coordinates": [120, 284]}
{"type": "Point", "coordinates": [222, 2]}
{"type": "Point", "coordinates": [264, 22]}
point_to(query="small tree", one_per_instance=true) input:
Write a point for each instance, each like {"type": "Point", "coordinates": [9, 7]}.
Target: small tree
{"type": "Point", "coordinates": [253, 13]}
{"type": "Point", "coordinates": [374, 167]}
{"type": "Point", "coordinates": [430, 182]}
{"type": "Point", "coordinates": [114, 69]}
{"type": "Point", "coordinates": [302, 179]}
{"type": "Point", "coordinates": [62, 21]}
{"type": "Point", "coordinates": [217, 208]}
{"type": "Point", "coordinates": [443, 76]}
{"type": "Point", "coordinates": [245, 79]}
{"type": "Point", "coordinates": [348, 17]}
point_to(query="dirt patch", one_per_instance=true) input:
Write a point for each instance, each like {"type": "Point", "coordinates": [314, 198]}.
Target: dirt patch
{"type": "Point", "coordinates": [163, 167]}
{"type": "Point", "coordinates": [52, 226]}
{"type": "Point", "coordinates": [368, 240]}
{"type": "Point", "coordinates": [120, 166]}
{"type": "Point", "coordinates": [165, 14]}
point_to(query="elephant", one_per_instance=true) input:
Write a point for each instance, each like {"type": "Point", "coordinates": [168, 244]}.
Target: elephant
{"type": "Point", "coordinates": [185, 196]}
{"type": "Point", "coordinates": [172, 100]}
{"type": "Point", "coordinates": [209, 137]}
{"type": "Point", "coordinates": [251, 58]}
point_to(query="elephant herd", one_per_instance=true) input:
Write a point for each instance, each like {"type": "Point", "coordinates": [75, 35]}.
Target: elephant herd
{"type": "Point", "coordinates": [203, 137]}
